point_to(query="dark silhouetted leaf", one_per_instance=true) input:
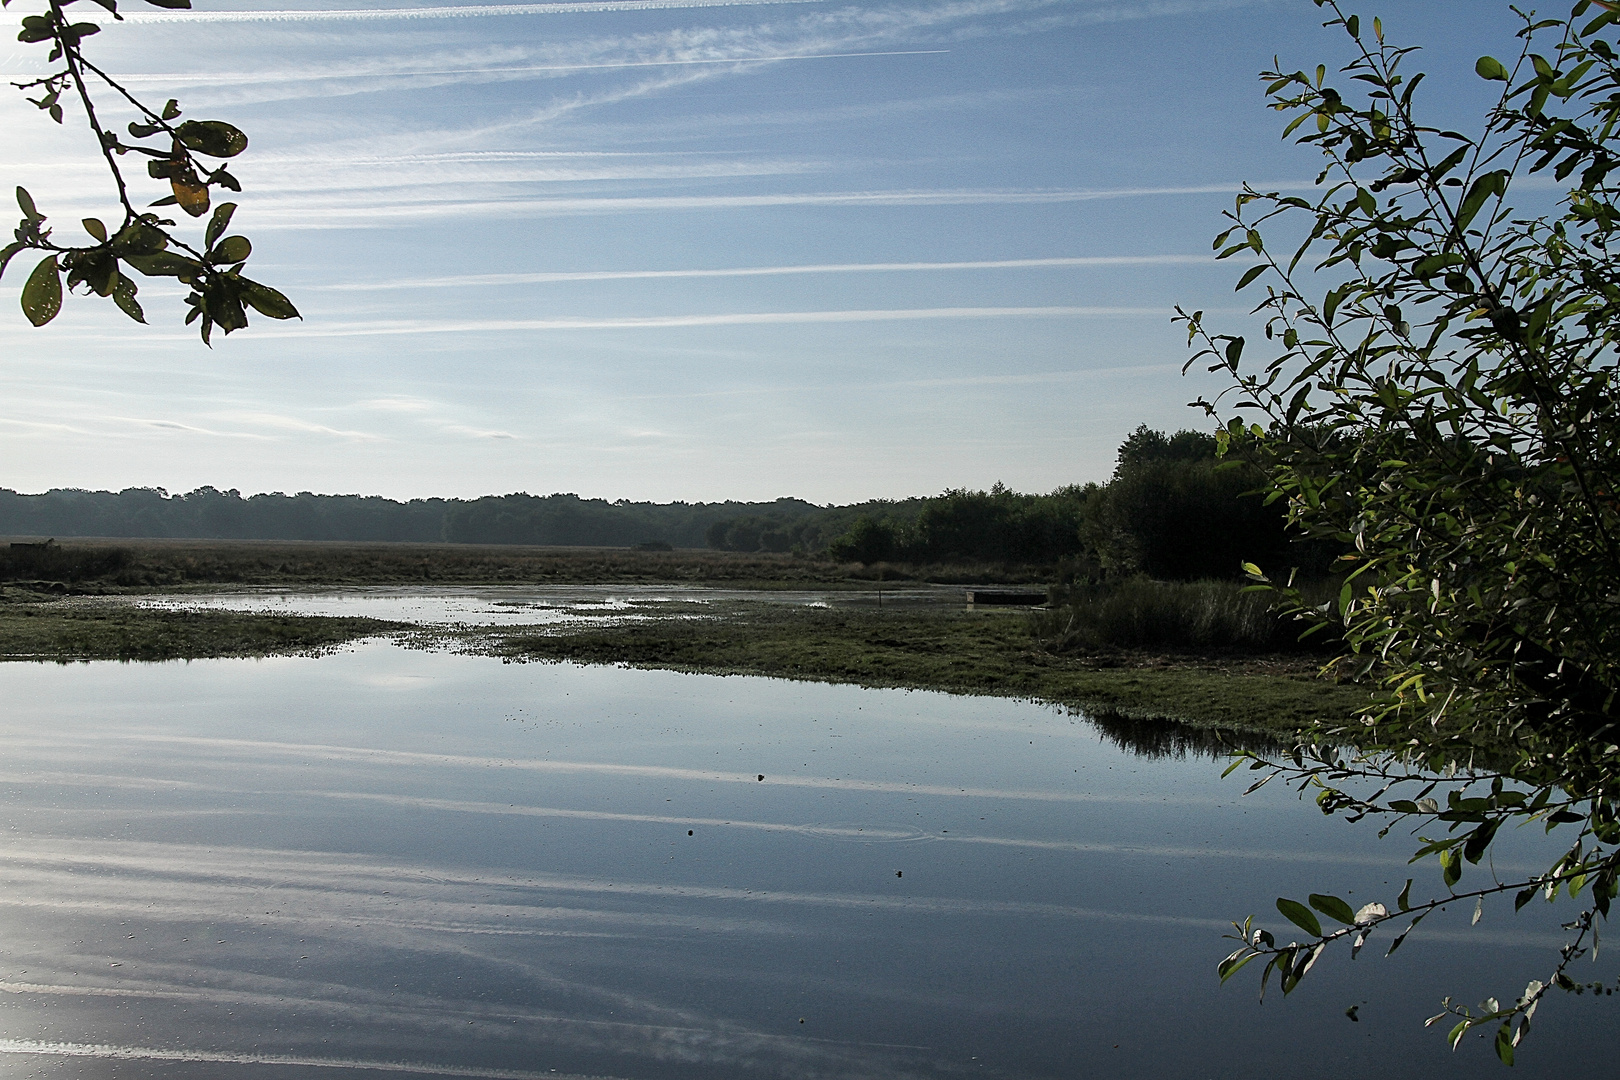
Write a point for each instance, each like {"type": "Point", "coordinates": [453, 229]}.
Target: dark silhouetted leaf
{"type": "Point", "coordinates": [232, 249]}
{"type": "Point", "coordinates": [42, 295]}
{"type": "Point", "coordinates": [124, 296]}
{"type": "Point", "coordinates": [218, 223]}
{"type": "Point", "coordinates": [267, 301]}
{"type": "Point", "coordinates": [212, 137]}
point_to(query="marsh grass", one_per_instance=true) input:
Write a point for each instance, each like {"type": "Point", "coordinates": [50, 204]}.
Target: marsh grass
{"type": "Point", "coordinates": [1201, 616]}
{"type": "Point", "coordinates": [960, 651]}
{"type": "Point", "coordinates": [70, 630]}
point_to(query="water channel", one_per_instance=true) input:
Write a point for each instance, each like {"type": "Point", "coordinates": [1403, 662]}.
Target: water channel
{"type": "Point", "coordinates": [405, 861]}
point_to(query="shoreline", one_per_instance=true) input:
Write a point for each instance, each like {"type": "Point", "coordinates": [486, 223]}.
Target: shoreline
{"type": "Point", "coordinates": [926, 644]}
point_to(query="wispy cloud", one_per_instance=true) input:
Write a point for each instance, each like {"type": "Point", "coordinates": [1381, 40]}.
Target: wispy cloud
{"type": "Point", "coordinates": [287, 213]}
{"type": "Point", "coordinates": [460, 11]}
{"type": "Point", "coordinates": [749, 318]}
{"type": "Point", "coordinates": [278, 422]}
{"type": "Point", "coordinates": [281, 78]}
{"type": "Point", "coordinates": [482, 280]}
{"type": "Point", "coordinates": [408, 327]}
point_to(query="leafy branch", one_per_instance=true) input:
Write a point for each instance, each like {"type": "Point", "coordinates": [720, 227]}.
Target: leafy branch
{"type": "Point", "coordinates": [220, 293]}
{"type": "Point", "coordinates": [1594, 868]}
{"type": "Point", "coordinates": [1444, 405]}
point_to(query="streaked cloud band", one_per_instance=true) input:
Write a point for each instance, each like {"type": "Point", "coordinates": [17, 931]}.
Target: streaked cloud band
{"type": "Point", "coordinates": [300, 213]}
{"type": "Point", "coordinates": [770, 271]}
{"type": "Point", "coordinates": [459, 11]}
{"type": "Point", "coordinates": [746, 318]}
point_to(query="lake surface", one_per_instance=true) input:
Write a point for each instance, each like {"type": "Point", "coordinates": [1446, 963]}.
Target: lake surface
{"type": "Point", "coordinates": [396, 861]}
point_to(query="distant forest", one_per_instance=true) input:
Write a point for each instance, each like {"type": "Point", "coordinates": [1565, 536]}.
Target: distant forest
{"type": "Point", "coordinates": [211, 514]}
{"type": "Point", "coordinates": [1170, 511]}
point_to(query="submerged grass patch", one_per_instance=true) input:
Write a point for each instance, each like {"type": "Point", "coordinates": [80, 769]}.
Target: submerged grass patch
{"type": "Point", "coordinates": [971, 652]}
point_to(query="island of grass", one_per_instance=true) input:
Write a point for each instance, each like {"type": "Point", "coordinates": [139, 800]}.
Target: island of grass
{"type": "Point", "coordinates": [82, 603]}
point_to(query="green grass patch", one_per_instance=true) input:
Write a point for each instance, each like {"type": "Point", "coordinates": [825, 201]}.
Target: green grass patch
{"type": "Point", "coordinates": [964, 652]}
{"type": "Point", "coordinates": [67, 630]}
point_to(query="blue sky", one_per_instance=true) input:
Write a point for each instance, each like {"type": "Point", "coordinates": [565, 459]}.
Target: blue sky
{"type": "Point", "coordinates": [677, 250]}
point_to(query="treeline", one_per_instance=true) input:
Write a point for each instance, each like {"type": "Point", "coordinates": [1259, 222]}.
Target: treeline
{"type": "Point", "coordinates": [1171, 511]}
{"type": "Point", "coordinates": [211, 514]}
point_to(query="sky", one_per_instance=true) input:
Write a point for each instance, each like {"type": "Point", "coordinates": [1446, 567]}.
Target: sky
{"type": "Point", "coordinates": [676, 249]}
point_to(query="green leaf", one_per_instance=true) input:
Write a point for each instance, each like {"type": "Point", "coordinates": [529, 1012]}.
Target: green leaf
{"type": "Point", "coordinates": [170, 3]}
{"type": "Point", "coordinates": [267, 301]}
{"type": "Point", "coordinates": [7, 253]}
{"type": "Point", "coordinates": [1450, 867]}
{"type": "Point", "coordinates": [1300, 916]}
{"type": "Point", "coordinates": [96, 229]}
{"type": "Point", "coordinates": [171, 108]}
{"type": "Point", "coordinates": [1480, 839]}
{"type": "Point", "coordinates": [1451, 161]}
{"type": "Point", "coordinates": [1406, 896]}
{"type": "Point", "coordinates": [1333, 908]}
{"type": "Point", "coordinates": [212, 137]}
{"type": "Point", "coordinates": [123, 295]}
{"type": "Point", "coordinates": [1249, 275]}
{"type": "Point", "coordinates": [232, 249]}
{"type": "Point", "coordinates": [1234, 963]}
{"type": "Point", "coordinates": [218, 223]}
{"type": "Point", "coordinates": [164, 264]}
{"type": "Point", "coordinates": [1456, 1034]}
{"type": "Point", "coordinates": [26, 201]}
{"type": "Point", "coordinates": [42, 295]}
{"type": "Point", "coordinates": [139, 238]}
{"type": "Point", "coordinates": [1504, 1044]}
{"type": "Point", "coordinates": [1492, 183]}
{"type": "Point", "coordinates": [1489, 67]}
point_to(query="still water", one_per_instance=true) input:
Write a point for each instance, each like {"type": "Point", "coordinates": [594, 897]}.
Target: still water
{"type": "Point", "coordinates": [396, 861]}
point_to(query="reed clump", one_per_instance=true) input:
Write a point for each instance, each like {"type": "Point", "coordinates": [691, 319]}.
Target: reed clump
{"type": "Point", "coordinates": [1140, 613]}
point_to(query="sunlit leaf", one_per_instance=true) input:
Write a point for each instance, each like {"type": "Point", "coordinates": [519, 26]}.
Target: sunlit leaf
{"type": "Point", "coordinates": [1300, 916]}
{"type": "Point", "coordinates": [1333, 908]}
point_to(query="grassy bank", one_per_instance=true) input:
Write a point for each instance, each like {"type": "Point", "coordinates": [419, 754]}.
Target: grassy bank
{"type": "Point", "coordinates": [141, 565]}
{"type": "Point", "coordinates": [929, 642]}
{"type": "Point", "coordinates": [968, 652]}
{"type": "Point", "coordinates": [35, 629]}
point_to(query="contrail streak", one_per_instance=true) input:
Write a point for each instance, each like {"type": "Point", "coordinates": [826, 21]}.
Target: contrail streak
{"type": "Point", "coordinates": [251, 79]}
{"type": "Point", "coordinates": [462, 11]}
{"type": "Point", "coordinates": [749, 318]}
{"type": "Point", "coordinates": [770, 271]}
